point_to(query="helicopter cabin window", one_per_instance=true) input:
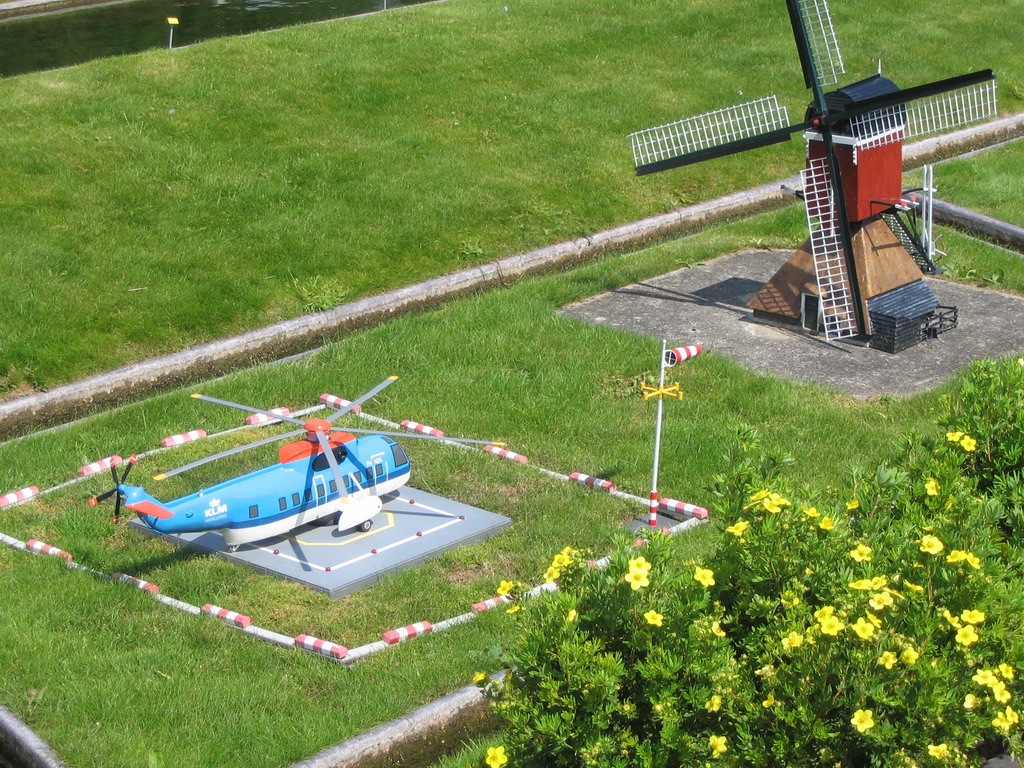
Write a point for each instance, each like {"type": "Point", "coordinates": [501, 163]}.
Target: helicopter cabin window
{"type": "Point", "coordinates": [369, 475]}
{"type": "Point", "coordinates": [333, 486]}
{"type": "Point", "coordinates": [283, 503]}
{"type": "Point", "coordinates": [296, 499]}
{"type": "Point", "coordinates": [379, 469]}
{"type": "Point", "coordinates": [399, 454]}
{"type": "Point", "coordinates": [320, 462]}
{"type": "Point", "coordinates": [309, 495]}
{"type": "Point", "coordinates": [254, 510]}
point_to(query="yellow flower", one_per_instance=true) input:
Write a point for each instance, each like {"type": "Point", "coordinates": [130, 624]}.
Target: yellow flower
{"type": "Point", "coordinates": [505, 588]}
{"type": "Point", "coordinates": [966, 636]}
{"type": "Point", "coordinates": [792, 640]}
{"type": "Point", "coordinates": [769, 702]}
{"type": "Point", "coordinates": [1006, 671]}
{"type": "Point", "coordinates": [999, 692]}
{"type": "Point", "coordinates": [758, 496]}
{"type": "Point", "coordinates": [789, 600]}
{"type": "Point", "coordinates": [875, 620]}
{"type": "Point", "coordinates": [637, 579]}
{"type": "Point", "coordinates": [887, 659]}
{"type": "Point", "coordinates": [514, 609]}
{"type": "Point", "coordinates": [950, 617]}
{"type": "Point", "coordinates": [910, 656]}
{"type": "Point", "coordinates": [738, 529]}
{"type": "Point", "coordinates": [863, 584]}
{"type": "Point", "coordinates": [496, 757]}
{"type": "Point", "coordinates": [561, 561]}
{"type": "Point", "coordinates": [864, 628]}
{"type": "Point", "coordinates": [479, 677]}
{"type": "Point", "coordinates": [653, 617]}
{"type": "Point", "coordinates": [705, 576]}
{"type": "Point", "coordinates": [880, 601]}
{"type": "Point", "coordinates": [931, 486]}
{"type": "Point", "coordinates": [973, 617]}
{"type": "Point", "coordinates": [1006, 719]}
{"type": "Point", "coordinates": [826, 524]}
{"type": "Point", "coordinates": [718, 745]}
{"type": "Point", "coordinates": [971, 701]}
{"type": "Point", "coordinates": [825, 612]}
{"type": "Point", "coordinates": [931, 544]}
{"type": "Point", "coordinates": [570, 617]}
{"type": "Point", "coordinates": [714, 703]}
{"type": "Point", "coordinates": [831, 626]}
{"type": "Point", "coordinates": [974, 561]}
{"type": "Point", "coordinates": [551, 574]}
{"type": "Point", "coordinates": [954, 437]}
{"type": "Point", "coordinates": [812, 512]}
{"type": "Point", "coordinates": [852, 504]}
{"type": "Point", "coordinates": [862, 553]}
{"type": "Point", "coordinates": [863, 720]}
{"type": "Point", "coordinates": [938, 751]}
{"type": "Point", "coordinates": [716, 629]}
{"type": "Point", "coordinates": [640, 564]}
{"type": "Point", "coordinates": [969, 444]}
{"type": "Point", "coordinates": [985, 677]}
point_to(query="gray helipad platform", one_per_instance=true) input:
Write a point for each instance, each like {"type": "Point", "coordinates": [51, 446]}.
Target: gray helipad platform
{"type": "Point", "coordinates": [414, 526]}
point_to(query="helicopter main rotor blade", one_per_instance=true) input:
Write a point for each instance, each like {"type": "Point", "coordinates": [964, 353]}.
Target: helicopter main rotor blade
{"type": "Point", "coordinates": [229, 452]}
{"type": "Point", "coordinates": [362, 399]}
{"type": "Point", "coordinates": [250, 409]}
{"type": "Point", "coordinates": [418, 436]}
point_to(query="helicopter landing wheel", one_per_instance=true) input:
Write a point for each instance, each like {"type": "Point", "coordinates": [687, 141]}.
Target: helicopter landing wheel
{"type": "Point", "coordinates": [232, 549]}
{"type": "Point", "coordinates": [365, 526]}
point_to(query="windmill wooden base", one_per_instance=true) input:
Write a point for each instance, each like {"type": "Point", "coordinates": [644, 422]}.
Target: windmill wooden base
{"type": "Point", "coordinates": [894, 297]}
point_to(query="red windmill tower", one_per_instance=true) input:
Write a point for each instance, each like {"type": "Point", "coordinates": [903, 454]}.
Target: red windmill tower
{"type": "Point", "coordinates": [860, 272]}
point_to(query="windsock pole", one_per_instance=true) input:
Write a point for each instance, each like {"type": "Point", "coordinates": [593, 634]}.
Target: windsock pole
{"type": "Point", "coordinates": [661, 392]}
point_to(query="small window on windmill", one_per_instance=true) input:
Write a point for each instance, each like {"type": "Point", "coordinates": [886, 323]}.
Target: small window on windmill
{"type": "Point", "coordinates": [809, 312]}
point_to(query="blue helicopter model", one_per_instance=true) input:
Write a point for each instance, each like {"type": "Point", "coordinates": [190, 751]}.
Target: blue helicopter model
{"type": "Point", "coordinates": [328, 473]}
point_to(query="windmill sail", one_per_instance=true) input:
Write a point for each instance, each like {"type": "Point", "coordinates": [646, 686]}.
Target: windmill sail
{"type": "Point", "coordinates": [818, 40]}
{"type": "Point", "coordinates": [835, 294]}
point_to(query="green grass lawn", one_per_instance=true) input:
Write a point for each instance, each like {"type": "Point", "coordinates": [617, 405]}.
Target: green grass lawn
{"type": "Point", "coordinates": [155, 201]}
{"type": "Point", "coordinates": [989, 182]}
{"type": "Point", "coordinates": [110, 677]}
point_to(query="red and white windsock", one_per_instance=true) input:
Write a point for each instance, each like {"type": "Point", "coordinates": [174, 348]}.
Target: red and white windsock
{"type": "Point", "coordinates": [15, 496]}
{"type": "Point", "coordinates": [414, 426]}
{"type": "Point", "coordinates": [323, 647]}
{"type": "Point", "coordinates": [231, 617]}
{"type": "Point", "coordinates": [393, 636]}
{"type": "Point", "coordinates": [671, 505]}
{"type": "Point", "coordinates": [34, 545]}
{"type": "Point", "coordinates": [262, 418]}
{"type": "Point", "coordinates": [681, 354]}
{"type": "Point", "coordinates": [506, 454]}
{"type": "Point", "coordinates": [593, 482]}
{"type": "Point", "coordinates": [99, 466]}
{"type": "Point", "coordinates": [184, 437]}
{"type": "Point", "coordinates": [145, 586]}
{"type": "Point", "coordinates": [338, 402]}
{"type": "Point", "coordinates": [493, 602]}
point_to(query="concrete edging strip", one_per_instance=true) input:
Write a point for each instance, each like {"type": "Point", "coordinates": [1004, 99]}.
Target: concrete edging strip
{"type": "Point", "coordinates": [23, 745]}
{"type": "Point", "coordinates": [290, 336]}
{"type": "Point", "coordinates": [964, 218]}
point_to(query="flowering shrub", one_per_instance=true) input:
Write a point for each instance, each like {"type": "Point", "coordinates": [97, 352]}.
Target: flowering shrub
{"type": "Point", "coordinates": [876, 629]}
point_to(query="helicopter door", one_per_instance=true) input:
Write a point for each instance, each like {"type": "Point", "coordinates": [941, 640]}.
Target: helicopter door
{"type": "Point", "coordinates": [320, 489]}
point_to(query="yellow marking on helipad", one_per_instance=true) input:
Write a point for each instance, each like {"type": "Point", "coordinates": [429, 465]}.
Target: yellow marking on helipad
{"type": "Point", "coordinates": [390, 516]}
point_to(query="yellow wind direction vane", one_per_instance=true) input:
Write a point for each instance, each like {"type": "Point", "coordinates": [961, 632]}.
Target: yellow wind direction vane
{"type": "Point", "coordinates": [669, 358]}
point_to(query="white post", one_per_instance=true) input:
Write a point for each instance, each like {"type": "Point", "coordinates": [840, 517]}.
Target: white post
{"type": "Point", "coordinates": [171, 24]}
{"type": "Point", "coordinates": [652, 520]}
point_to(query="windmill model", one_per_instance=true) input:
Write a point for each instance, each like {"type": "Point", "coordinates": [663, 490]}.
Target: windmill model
{"type": "Point", "coordinates": [859, 274]}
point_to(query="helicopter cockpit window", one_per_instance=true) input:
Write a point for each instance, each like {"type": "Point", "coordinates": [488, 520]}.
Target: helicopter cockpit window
{"type": "Point", "coordinates": [399, 454]}
{"type": "Point", "coordinates": [320, 462]}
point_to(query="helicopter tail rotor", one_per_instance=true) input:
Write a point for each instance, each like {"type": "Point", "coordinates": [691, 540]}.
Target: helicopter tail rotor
{"type": "Point", "coordinates": [115, 491]}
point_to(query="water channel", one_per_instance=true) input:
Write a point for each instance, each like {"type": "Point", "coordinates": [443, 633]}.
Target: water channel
{"type": "Point", "coordinates": [47, 41]}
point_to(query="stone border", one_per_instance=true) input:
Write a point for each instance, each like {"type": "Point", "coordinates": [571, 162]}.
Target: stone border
{"type": "Point", "coordinates": [299, 334]}
{"type": "Point", "coordinates": [23, 745]}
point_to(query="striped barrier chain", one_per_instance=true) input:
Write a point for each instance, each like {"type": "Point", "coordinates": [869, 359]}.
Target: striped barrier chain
{"type": "Point", "coordinates": [145, 586]}
{"type": "Point", "coordinates": [338, 402]}
{"type": "Point", "coordinates": [323, 647]}
{"type": "Point", "coordinates": [16, 496]}
{"type": "Point", "coordinates": [40, 548]}
{"type": "Point", "coordinates": [493, 602]}
{"type": "Point", "coordinates": [415, 426]}
{"type": "Point", "coordinates": [231, 617]}
{"type": "Point", "coordinates": [184, 437]}
{"type": "Point", "coordinates": [98, 466]}
{"type": "Point", "coordinates": [505, 454]}
{"type": "Point", "coordinates": [593, 482]}
{"type": "Point", "coordinates": [404, 633]}
{"type": "Point", "coordinates": [261, 418]}
{"type": "Point", "coordinates": [671, 505]}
